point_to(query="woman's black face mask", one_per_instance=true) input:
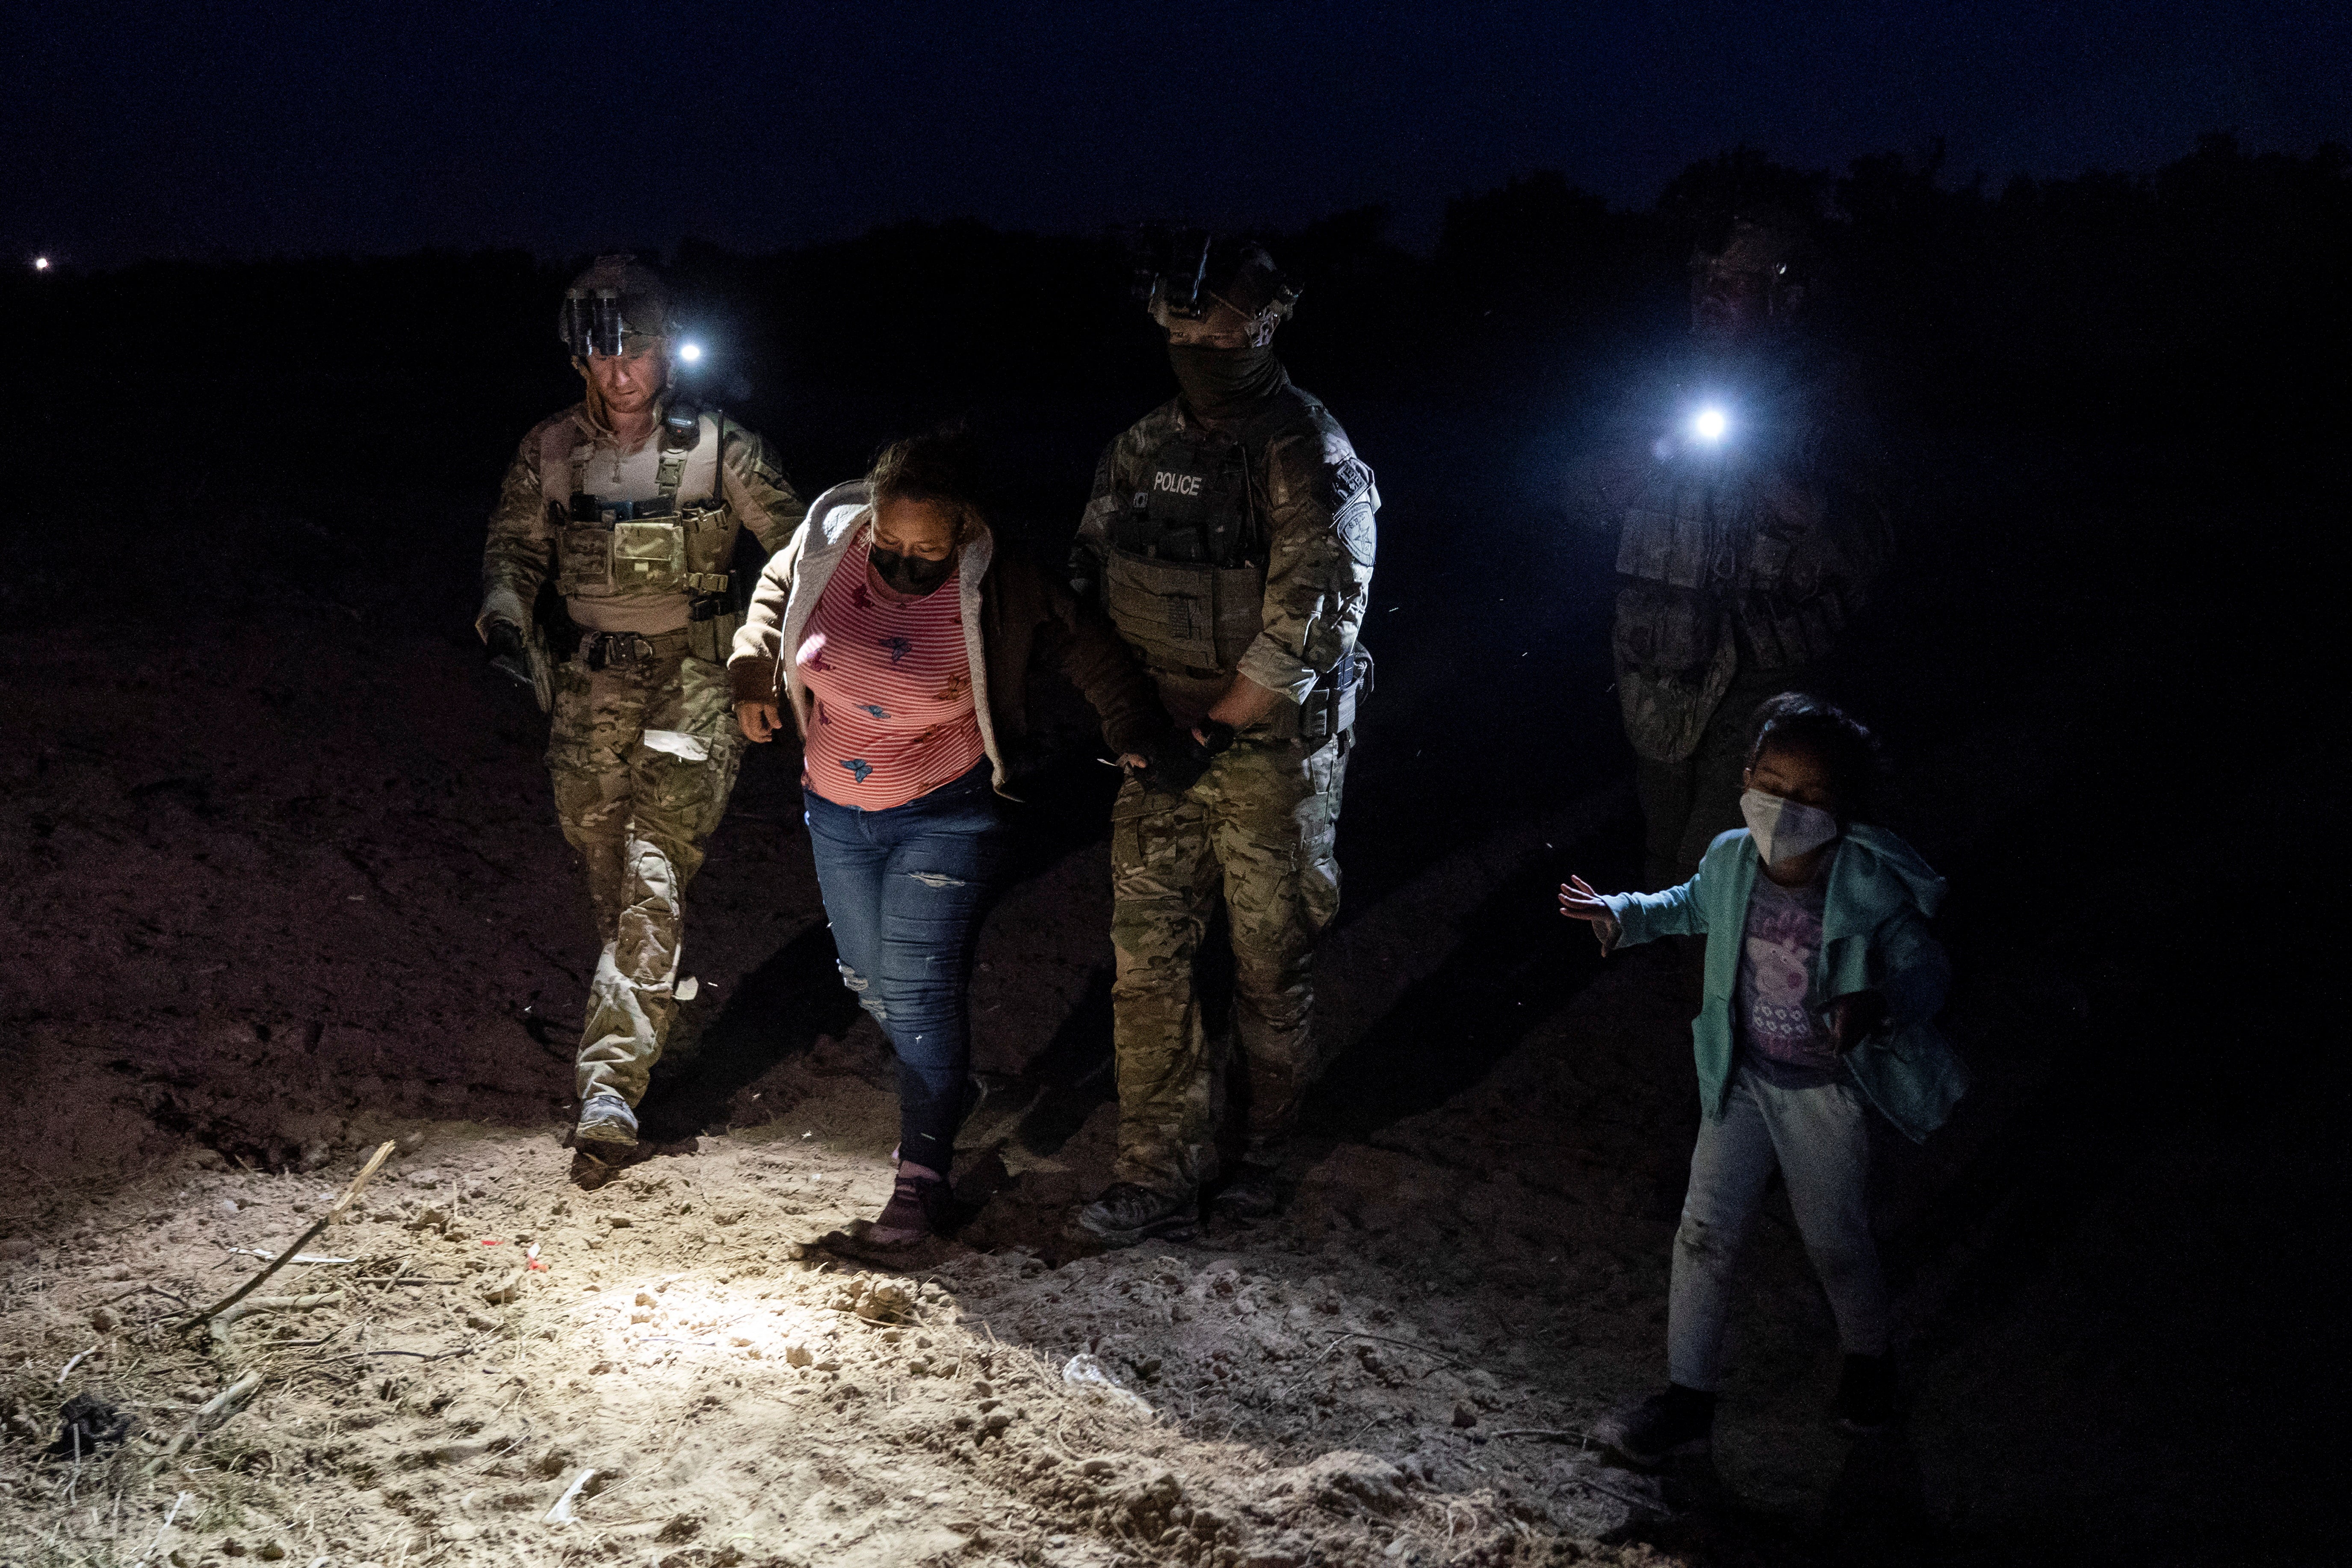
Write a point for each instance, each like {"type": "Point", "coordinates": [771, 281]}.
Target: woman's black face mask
{"type": "Point", "coordinates": [910, 573]}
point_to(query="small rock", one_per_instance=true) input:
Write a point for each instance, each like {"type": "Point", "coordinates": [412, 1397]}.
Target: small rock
{"type": "Point", "coordinates": [980, 1390]}
{"type": "Point", "coordinates": [270, 1552]}
{"type": "Point", "coordinates": [105, 1319]}
{"type": "Point", "coordinates": [427, 1176]}
{"type": "Point", "coordinates": [797, 1353]}
{"type": "Point", "coordinates": [618, 1221]}
{"type": "Point", "coordinates": [1464, 1412]}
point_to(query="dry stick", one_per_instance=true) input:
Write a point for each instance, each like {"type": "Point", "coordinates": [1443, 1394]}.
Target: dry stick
{"type": "Point", "coordinates": [172, 1513]}
{"type": "Point", "coordinates": [71, 1364]}
{"type": "Point", "coordinates": [375, 1162]}
{"type": "Point", "coordinates": [222, 1401]}
{"type": "Point", "coordinates": [1358, 1334]}
{"type": "Point", "coordinates": [1563, 1435]}
{"type": "Point", "coordinates": [230, 1314]}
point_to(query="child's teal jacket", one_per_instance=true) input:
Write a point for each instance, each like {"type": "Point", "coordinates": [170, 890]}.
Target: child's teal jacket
{"type": "Point", "coordinates": [1874, 938]}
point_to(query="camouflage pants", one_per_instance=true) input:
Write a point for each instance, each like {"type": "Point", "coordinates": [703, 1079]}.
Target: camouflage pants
{"type": "Point", "coordinates": [642, 761]}
{"type": "Point", "coordinates": [1686, 804]}
{"type": "Point", "coordinates": [1257, 829]}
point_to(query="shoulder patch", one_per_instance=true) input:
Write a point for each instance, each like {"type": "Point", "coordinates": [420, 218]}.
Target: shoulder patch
{"type": "Point", "coordinates": [1351, 477]}
{"type": "Point", "coordinates": [1353, 523]}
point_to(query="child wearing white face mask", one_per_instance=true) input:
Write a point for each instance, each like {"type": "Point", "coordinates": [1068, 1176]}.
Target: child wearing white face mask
{"type": "Point", "coordinates": [1822, 984]}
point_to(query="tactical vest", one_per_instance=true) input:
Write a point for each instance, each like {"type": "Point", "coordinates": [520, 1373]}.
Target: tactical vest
{"type": "Point", "coordinates": [1184, 573]}
{"type": "Point", "coordinates": [623, 534]}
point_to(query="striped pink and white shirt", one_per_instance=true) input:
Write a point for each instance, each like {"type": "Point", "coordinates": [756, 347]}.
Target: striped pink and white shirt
{"type": "Point", "coordinates": [894, 716]}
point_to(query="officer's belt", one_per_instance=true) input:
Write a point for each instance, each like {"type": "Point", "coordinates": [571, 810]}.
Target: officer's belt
{"type": "Point", "coordinates": [631, 650]}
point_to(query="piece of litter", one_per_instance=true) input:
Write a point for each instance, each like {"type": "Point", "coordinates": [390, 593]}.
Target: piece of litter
{"type": "Point", "coordinates": [562, 1512]}
{"type": "Point", "coordinates": [1084, 1371]}
{"type": "Point", "coordinates": [493, 1241]}
{"type": "Point", "coordinates": [531, 1251]}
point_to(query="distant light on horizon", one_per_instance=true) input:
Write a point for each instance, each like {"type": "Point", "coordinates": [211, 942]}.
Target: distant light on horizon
{"type": "Point", "coordinates": [690, 353]}
{"type": "Point", "coordinates": [40, 264]}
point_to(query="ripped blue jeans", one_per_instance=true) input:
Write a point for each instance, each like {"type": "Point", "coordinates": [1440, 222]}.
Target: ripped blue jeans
{"type": "Point", "coordinates": [905, 889]}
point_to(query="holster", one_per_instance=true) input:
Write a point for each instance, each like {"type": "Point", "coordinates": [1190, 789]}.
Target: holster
{"type": "Point", "coordinates": [1330, 707]}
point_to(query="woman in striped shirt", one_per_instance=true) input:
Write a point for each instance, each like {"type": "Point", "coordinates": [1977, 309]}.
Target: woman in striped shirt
{"type": "Point", "coordinates": [901, 637]}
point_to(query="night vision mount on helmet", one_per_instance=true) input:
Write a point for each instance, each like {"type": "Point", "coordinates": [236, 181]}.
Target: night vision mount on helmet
{"type": "Point", "coordinates": [617, 306]}
{"type": "Point", "coordinates": [1186, 273]}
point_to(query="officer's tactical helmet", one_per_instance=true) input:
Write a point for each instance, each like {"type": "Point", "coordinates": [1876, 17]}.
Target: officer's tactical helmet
{"type": "Point", "coordinates": [1769, 250]}
{"type": "Point", "coordinates": [1769, 241]}
{"type": "Point", "coordinates": [618, 306]}
{"type": "Point", "coordinates": [1198, 270]}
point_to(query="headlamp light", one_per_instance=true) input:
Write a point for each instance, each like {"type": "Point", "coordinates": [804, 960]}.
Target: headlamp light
{"type": "Point", "coordinates": [1710, 425]}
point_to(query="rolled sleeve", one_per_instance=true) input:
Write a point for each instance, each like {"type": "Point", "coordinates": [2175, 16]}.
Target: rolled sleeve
{"type": "Point", "coordinates": [762, 499]}
{"type": "Point", "coordinates": [517, 555]}
{"type": "Point", "coordinates": [1319, 564]}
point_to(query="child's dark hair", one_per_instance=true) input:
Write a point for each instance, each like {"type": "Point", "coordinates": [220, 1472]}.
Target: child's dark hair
{"type": "Point", "coordinates": [942, 465]}
{"type": "Point", "coordinates": [1846, 750]}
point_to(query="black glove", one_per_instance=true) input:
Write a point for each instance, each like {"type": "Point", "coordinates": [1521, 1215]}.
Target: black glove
{"type": "Point", "coordinates": [504, 640]}
{"type": "Point", "coordinates": [1177, 761]}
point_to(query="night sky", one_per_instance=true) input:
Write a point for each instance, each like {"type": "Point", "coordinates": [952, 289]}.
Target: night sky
{"type": "Point", "coordinates": [229, 130]}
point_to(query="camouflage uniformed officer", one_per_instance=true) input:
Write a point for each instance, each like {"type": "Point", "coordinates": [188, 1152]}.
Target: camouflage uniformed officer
{"type": "Point", "coordinates": [1751, 530]}
{"type": "Point", "coordinates": [609, 569]}
{"type": "Point", "coordinates": [1230, 540]}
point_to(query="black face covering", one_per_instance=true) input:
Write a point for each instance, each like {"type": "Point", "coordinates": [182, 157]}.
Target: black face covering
{"type": "Point", "coordinates": [909, 573]}
{"type": "Point", "coordinates": [1224, 384]}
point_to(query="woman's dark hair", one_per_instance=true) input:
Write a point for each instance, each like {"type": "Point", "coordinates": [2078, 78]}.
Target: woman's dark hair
{"type": "Point", "coordinates": [1847, 751]}
{"type": "Point", "coordinates": [942, 465]}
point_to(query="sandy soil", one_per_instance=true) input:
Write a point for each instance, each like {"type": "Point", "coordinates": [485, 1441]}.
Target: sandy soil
{"type": "Point", "coordinates": [283, 883]}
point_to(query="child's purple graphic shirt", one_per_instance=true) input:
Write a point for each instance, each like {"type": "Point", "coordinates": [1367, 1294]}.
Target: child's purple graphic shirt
{"type": "Point", "coordinates": [1776, 966]}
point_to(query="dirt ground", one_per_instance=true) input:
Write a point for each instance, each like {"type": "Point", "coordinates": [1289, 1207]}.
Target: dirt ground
{"type": "Point", "coordinates": [283, 883]}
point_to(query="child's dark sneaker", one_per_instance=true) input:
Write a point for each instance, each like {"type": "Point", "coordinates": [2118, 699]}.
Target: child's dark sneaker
{"type": "Point", "coordinates": [920, 1203]}
{"type": "Point", "coordinates": [1866, 1395]}
{"type": "Point", "coordinates": [1679, 1421]}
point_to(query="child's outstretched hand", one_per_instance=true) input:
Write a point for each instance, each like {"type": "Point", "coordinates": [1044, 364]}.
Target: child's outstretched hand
{"type": "Point", "coordinates": [1578, 902]}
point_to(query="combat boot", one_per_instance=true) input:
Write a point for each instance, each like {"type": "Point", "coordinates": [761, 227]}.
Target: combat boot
{"type": "Point", "coordinates": [607, 1125]}
{"type": "Point", "coordinates": [1252, 1192]}
{"type": "Point", "coordinates": [1126, 1213]}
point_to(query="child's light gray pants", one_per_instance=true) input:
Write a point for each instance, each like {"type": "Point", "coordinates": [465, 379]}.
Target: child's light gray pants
{"type": "Point", "coordinates": [1820, 1139]}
